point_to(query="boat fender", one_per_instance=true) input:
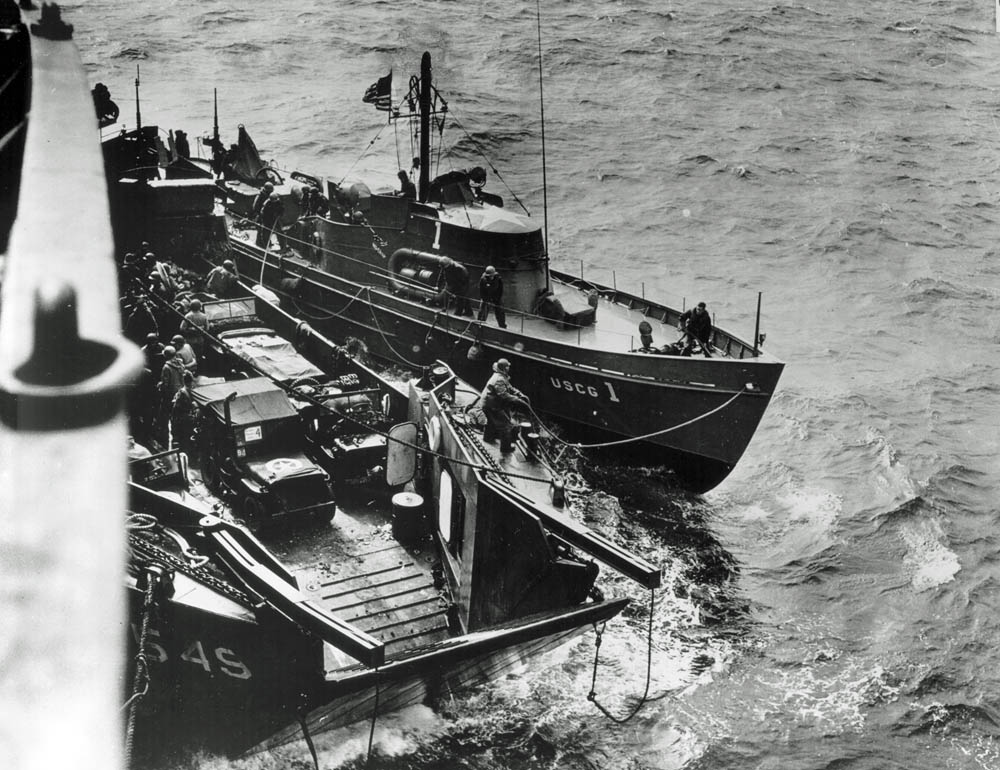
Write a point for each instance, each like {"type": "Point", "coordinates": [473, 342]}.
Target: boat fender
{"type": "Point", "coordinates": [646, 334]}
{"type": "Point", "coordinates": [557, 489]}
{"type": "Point", "coordinates": [290, 285]}
{"type": "Point", "coordinates": [267, 295]}
{"type": "Point", "coordinates": [593, 298]}
{"type": "Point", "coordinates": [386, 403]}
{"type": "Point", "coordinates": [434, 433]}
{"type": "Point", "coordinates": [303, 331]}
{"type": "Point", "coordinates": [476, 352]}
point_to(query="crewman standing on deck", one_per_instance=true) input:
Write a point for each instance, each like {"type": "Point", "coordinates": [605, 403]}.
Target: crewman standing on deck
{"type": "Point", "coordinates": [491, 292]}
{"type": "Point", "coordinates": [498, 398]}
{"type": "Point", "coordinates": [184, 417]}
{"type": "Point", "coordinates": [260, 199]}
{"type": "Point", "coordinates": [171, 380]}
{"type": "Point", "coordinates": [456, 287]}
{"type": "Point", "coordinates": [406, 187]}
{"type": "Point", "coordinates": [270, 216]}
{"type": "Point", "coordinates": [195, 320]}
{"type": "Point", "coordinates": [319, 204]}
{"type": "Point", "coordinates": [184, 352]}
{"type": "Point", "coordinates": [697, 323]}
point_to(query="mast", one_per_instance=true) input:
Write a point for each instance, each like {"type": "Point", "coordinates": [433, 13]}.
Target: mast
{"type": "Point", "coordinates": [138, 115]}
{"type": "Point", "coordinates": [756, 329]}
{"type": "Point", "coordinates": [541, 100]}
{"type": "Point", "coordinates": [215, 117]}
{"type": "Point", "coordinates": [423, 186]}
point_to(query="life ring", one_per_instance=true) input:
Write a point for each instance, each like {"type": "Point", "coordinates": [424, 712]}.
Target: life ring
{"type": "Point", "coordinates": [434, 433]}
{"type": "Point", "coordinates": [282, 465]}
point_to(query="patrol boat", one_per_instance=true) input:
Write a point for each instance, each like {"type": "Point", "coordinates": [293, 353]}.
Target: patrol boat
{"type": "Point", "coordinates": [596, 355]}
{"type": "Point", "coordinates": [64, 370]}
{"type": "Point", "coordinates": [403, 596]}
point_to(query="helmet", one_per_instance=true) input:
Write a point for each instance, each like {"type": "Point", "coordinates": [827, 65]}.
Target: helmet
{"type": "Point", "coordinates": [151, 337]}
{"type": "Point", "coordinates": [179, 338]}
{"type": "Point", "coordinates": [268, 186]}
{"type": "Point", "coordinates": [228, 264]}
{"type": "Point", "coordinates": [169, 352]}
{"type": "Point", "coordinates": [502, 365]}
{"type": "Point", "coordinates": [490, 270]}
{"type": "Point", "coordinates": [196, 304]}
{"type": "Point", "coordinates": [274, 197]}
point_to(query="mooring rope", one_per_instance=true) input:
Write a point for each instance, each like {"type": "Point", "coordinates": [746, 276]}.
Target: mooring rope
{"type": "Point", "coordinates": [309, 740]}
{"type": "Point", "coordinates": [644, 436]}
{"type": "Point", "coordinates": [592, 695]}
{"type": "Point", "coordinates": [140, 681]}
{"type": "Point", "coordinates": [378, 327]}
{"type": "Point", "coordinates": [371, 731]}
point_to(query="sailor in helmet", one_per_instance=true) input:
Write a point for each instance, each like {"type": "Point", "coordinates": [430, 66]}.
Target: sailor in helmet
{"type": "Point", "coordinates": [221, 279]}
{"type": "Point", "coordinates": [491, 293]}
{"type": "Point", "coordinates": [498, 398]}
{"type": "Point", "coordinates": [270, 219]}
{"type": "Point", "coordinates": [258, 202]}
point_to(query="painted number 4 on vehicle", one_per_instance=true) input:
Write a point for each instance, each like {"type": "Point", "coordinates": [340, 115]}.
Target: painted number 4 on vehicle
{"type": "Point", "coordinates": [584, 390]}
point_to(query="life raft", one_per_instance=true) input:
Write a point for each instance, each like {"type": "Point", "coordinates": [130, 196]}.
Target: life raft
{"type": "Point", "coordinates": [415, 274]}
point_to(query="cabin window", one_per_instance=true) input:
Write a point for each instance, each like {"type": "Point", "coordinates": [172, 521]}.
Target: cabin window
{"type": "Point", "coordinates": [451, 510]}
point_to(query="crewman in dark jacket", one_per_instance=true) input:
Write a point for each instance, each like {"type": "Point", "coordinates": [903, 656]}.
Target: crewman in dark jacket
{"type": "Point", "coordinates": [305, 202]}
{"type": "Point", "coordinates": [498, 398]}
{"type": "Point", "coordinates": [697, 323]}
{"type": "Point", "coordinates": [181, 144]}
{"type": "Point", "coordinates": [319, 204]}
{"type": "Point", "coordinates": [184, 417]}
{"type": "Point", "coordinates": [270, 216]}
{"type": "Point", "coordinates": [406, 187]}
{"type": "Point", "coordinates": [221, 279]}
{"type": "Point", "coordinates": [171, 380]}
{"type": "Point", "coordinates": [491, 292]}
{"type": "Point", "coordinates": [195, 320]}
{"type": "Point", "coordinates": [260, 199]}
{"type": "Point", "coordinates": [456, 287]}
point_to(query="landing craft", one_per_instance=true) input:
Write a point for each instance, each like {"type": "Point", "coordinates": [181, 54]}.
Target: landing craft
{"type": "Point", "coordinates": [404, 595]}
{"type": "Point", "coordinates": [371, 264]}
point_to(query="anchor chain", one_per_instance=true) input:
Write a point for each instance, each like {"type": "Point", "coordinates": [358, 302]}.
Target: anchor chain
{"type": "Point", "coordinates": [150, 553]}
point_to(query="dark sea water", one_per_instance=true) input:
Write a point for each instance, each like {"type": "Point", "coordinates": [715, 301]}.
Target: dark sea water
{"type": "Point", "coordinates": [833, 604]}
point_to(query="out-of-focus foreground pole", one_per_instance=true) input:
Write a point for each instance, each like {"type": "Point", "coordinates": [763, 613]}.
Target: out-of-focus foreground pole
{"type": "Point", "coordinates": [63, 370]}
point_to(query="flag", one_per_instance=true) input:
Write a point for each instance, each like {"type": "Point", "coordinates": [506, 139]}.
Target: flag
{"type": "Point", "coordinates": [379, 93]}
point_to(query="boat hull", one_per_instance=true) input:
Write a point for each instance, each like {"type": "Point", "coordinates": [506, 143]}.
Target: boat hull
{"type": "Point", "coordinates": [231, 683]}
{"type": "Point", "coordinates": [692, 416]}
